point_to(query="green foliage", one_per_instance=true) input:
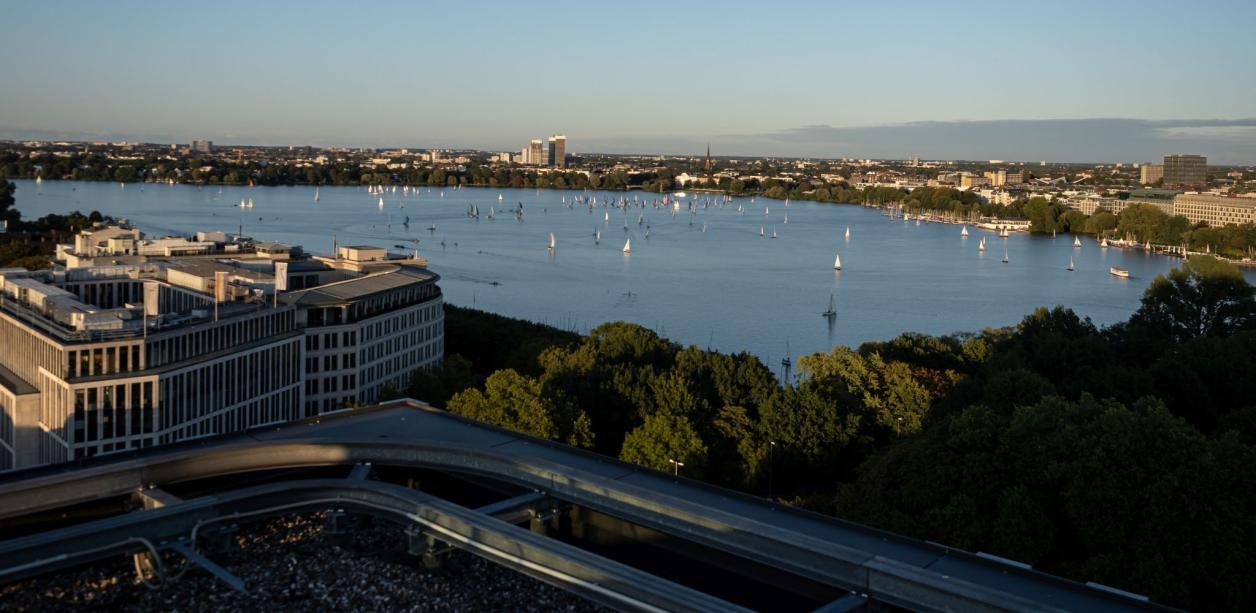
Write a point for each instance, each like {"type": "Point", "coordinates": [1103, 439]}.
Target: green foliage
{"type": "Point", "coordinates": [665, 438]}
{"type": "Point", "coordinates": [1204, 297]}
{"type": "Point", "coordinates": [435, 386]}
{"type": "Point", "coordinates": [514, 401]}
{"type": "Point", "coordinates": [1126, 496]}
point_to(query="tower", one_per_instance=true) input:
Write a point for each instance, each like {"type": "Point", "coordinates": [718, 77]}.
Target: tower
{"type": "Point", "coordinates": [706, 164]}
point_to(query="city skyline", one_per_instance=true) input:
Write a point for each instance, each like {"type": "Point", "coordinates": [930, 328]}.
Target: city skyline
{"type": "Point", "coordinates": [940, 82]}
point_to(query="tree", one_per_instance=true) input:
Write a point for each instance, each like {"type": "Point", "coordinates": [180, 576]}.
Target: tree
{"type": "Point", "coordinates": [1203, 297]}
{"type": "Point", "coordinates": [663, 438]}
{"type": "Point", "coordinates": [513, 401]}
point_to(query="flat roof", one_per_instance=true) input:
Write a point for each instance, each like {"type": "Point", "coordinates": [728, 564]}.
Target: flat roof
{"type": "Point", "coordinates": [15, 384]}
{"type": "Point", "coordinates": [341, 292]}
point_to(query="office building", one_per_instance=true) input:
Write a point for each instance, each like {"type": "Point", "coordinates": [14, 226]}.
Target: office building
{"type": "Point", "coordinates": [203, 146]}
{"type": "Point", "coordinates": [557, 151]}
{"type": "Point", "coordinates": [144, 350]}
{"type": "Point", "coordinates": [1215, 210]}
{"type": "Point", "coordinates": [1150, 173]}
{"type": "Point", "coordinates": [1185, 170]}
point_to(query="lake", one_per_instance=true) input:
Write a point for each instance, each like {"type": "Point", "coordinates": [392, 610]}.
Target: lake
{"type": "Point", "coordinates": [725, 288]}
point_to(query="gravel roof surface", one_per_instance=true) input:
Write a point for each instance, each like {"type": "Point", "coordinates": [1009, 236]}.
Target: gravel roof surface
{"type": "Point", "coordinates": [292, 564]}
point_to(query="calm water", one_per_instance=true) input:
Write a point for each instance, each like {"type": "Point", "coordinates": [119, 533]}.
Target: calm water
{"type": "Point", "coordinates": [726, 288]}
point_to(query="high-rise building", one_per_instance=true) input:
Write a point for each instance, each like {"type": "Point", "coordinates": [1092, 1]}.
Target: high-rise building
{"type": "Point", "coordinates": [1150, 173]}
{"type": "Point", "coordinates": [203, 146]}
{"type": "Point", "coordinates": [1184, 169]}
{"type": "Point", "coordinates": [535, 153]}
{"type": "Point", "coordinates": [557, 151]}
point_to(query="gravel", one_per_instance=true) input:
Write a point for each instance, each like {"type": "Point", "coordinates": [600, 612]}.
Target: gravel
{"type": "Point", "coordinates": [293, 564]}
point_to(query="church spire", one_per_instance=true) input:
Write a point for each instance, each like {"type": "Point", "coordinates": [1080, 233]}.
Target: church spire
{"type": "Point", "coordinates": [706, 165]}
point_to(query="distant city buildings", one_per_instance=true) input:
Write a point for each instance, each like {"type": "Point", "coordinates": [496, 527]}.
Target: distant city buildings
{"type": "Point", "coordinates": [1185, 169]}
{"type": "Point", "coordinates": [203, 146]}
{"type": "Point", "coordinates": [557, 151]}
{"type": "Point", "coordinates": [551, 153]}
{"type": "Point", "coordinates": [134, 342]}
{"type": "Point", "coordinates": [1215, 210]}
{"type": "Point", "coordinates": [1150, 173]}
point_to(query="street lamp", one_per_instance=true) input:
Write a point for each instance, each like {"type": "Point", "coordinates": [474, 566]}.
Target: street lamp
{"type": "Point", "coordinates": [675, 466]}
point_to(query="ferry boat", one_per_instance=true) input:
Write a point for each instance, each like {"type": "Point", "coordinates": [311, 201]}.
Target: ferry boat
{"type": "Point", "coordinates": [1119, 272]}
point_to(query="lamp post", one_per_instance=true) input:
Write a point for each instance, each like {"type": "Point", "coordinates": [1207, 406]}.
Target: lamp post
{"type": "Point", "coordinates": [675, 466]}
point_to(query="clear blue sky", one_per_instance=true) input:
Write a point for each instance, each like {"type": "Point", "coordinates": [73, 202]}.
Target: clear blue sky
{"type": "Point", "coordinates": [752, 78]}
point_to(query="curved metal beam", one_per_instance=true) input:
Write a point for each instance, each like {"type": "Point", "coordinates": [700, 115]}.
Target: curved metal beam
{"type": "Point", "coordinates": [564, 566]}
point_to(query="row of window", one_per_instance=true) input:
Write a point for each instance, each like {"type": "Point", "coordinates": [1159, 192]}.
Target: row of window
{"type": "Point", "coordinates": [210, 338]}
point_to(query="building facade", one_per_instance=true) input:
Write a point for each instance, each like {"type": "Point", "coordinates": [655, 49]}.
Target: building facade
{"type": "Point", "coordinates": [102, 359]}
{"type": "Point", "coordinates": [1184, 169]}
{"type": "Point", "coordinates": [1215, 210]}
{"type": "Point", "coordinates": [557, 151]}
{"type": "Point", "coordinates": [1150, 173]}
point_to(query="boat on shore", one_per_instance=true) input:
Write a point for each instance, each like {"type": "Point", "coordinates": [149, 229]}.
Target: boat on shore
{"type": "Point", "coordinates": [1119, 272]}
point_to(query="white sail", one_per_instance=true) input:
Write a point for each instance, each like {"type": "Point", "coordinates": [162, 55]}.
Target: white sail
{"type": "Point", "coordinates": [1077, 241]}
{"type": "Point", "coordinates": [964, 232]}
{"type": "Point", "coordinates": [1070, 263]}
{"type": "Point", "coordinates": [847, 232]}
{"type": "Point", "coordinates": [551, 243]}
{"type": "Point", "coordinates": [760, 230]}
{"type": "Point", "coordinates": [316, 194]}
{"type": "Point", "coordinates": [981, 246]}
{"type": "Point", "coordinates": [837, 262]}
{"type": "Point", "coordinates": [628, 246]}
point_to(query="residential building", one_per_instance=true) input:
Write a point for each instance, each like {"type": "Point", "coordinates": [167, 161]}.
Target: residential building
{"type": "Point", "coordinates": [973, 181]}
{"type": "Point", "coordinates": [1150, 173]}
{"type": "Point", "coordinates": [1184, 169]}
{"type": "Point", "coordinates": [104, 358]}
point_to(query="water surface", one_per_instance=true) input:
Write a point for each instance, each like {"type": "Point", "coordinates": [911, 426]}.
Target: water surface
{"type": "Point", "coordinates": [725, 287]}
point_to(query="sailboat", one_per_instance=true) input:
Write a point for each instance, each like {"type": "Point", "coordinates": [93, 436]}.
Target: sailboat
{"type": "Point", "coordinates": [381, 203]}
{"type": "Point", "coordinates": [773, 231]}
{"type": "Point", "coordinates": [597, 237]}
{"type": "Point", "coordinates": [1077, 241]}
{"type": "Point", "coordinates": [847, 232]}
{"type": "Point", "coordinates": [831, 312]}
{"type": "Point", "coordinates": [1005, 255]}
{"type": "Point", "coordinates": [787, 219]}
{"type": "Point", "coordinates": [760, 231]}
{"type": "Point", "coordinates": [1104, 242]}
{"type": "Point", "coordinates": [981, 246]}
{"type": "Point", "coordinates": [837, 262]}
{"type": "Point", "coordinates": [39, 179]}
{"type": "Point", "coordinates": [316, 194]}
{"type": "Point", "coordinates": [606, 217]}
{"type": "Point", "coordinates": [551, 243]}
{"type": "Point", "coordinates": [628, 246]}
{"type": "Point", "coordinates": [1070, 265]}
{"type": "Point", "coordinates": [250, 203]}
{"type": "Point", "coordinates": [964, 232]}
{"type": "Point", "coordinates": [499, 197]}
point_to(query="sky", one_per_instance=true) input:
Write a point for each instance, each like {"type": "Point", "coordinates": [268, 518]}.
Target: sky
{"type": "Point", "coordinates": [1101, 80]}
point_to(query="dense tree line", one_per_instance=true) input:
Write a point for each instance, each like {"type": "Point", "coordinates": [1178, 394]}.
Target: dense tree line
{"type": "Point", "coordinates": [1121, 455]}
{"type": "Point", "coordinates": [31, 244]}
